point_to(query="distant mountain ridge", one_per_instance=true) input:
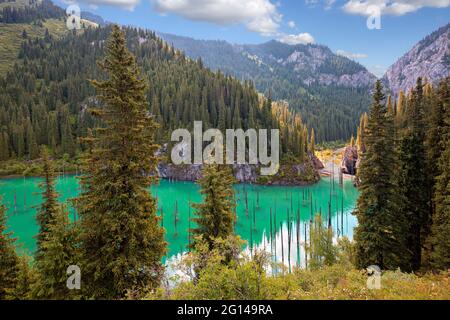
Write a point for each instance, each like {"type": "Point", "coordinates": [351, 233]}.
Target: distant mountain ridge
{"type": "Point", "coordinates": [94, 18]}
{"type": "Point", "coordinates": [429, 58]}
{"type": "Point", "coordinates": [329, 90]}
{"type": "Point", "coordinates": [306, 63]}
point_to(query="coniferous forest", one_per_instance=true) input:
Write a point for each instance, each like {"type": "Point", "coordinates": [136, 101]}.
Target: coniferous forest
{"type": "Point", "coordinates": [98, 105]}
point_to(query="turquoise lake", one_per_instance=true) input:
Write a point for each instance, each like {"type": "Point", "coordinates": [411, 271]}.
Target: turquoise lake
{"type": "Point", "coordinates": [268, 217]}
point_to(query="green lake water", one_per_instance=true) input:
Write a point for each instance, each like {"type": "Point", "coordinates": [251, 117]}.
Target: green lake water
{"type": "Point", "coordinates": [255, 223]}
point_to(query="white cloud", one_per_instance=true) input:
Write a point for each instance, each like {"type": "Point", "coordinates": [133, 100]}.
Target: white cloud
{"type": "Point", "coordinates": [328, 4]}
{"type": "Point", "coordinates": [291, 24]}
{"type": "Point", "coordinates": [351, 55]}
{"type": "Point", "coordinates": [257, 15]}
{"type": "Point", "coordinates": [93, 4]}
{"type": "Point", "coordinates": [293, 39]}
{"type": "Point", "coordinates": [392, 7]}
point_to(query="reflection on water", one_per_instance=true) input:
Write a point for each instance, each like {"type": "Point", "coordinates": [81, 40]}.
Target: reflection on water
{"type": "Point", "coordinates": [271, 218]}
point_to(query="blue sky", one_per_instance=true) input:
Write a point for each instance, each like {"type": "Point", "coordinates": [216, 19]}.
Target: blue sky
{"type": "Point", "coordinates": [339, 24]}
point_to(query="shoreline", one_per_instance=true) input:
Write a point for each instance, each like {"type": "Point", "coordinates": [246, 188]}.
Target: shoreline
{"type": "Point", "coordinates": [71, 173]}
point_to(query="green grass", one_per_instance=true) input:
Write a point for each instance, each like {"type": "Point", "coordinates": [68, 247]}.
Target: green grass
{"type": "Point", "coordinates": [11, 39]}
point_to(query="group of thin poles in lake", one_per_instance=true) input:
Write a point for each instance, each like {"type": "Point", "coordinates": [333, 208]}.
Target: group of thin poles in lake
{"type": "Point", "coordinates": [286, 234]}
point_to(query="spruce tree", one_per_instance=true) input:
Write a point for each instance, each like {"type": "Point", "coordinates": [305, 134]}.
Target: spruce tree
{"type": "Point", "coordinates": [61, 247]}
{"type": "Point", "coordinates": [49, 207]}
{"type": "Point", "coordinates": [434, 145]}
{"type": "Point", "coordinates": [413, 187]}
{"type": "Point", "coordinates": [377, 235]}
{"type": "Point", "coordinates": [440, 229]}
{"type": "Point", "coordinates": [122, 241]}
{"type": "Point", "coordinates": [215, 216]}
{"type": "Point", "coordinates": [57, 241]}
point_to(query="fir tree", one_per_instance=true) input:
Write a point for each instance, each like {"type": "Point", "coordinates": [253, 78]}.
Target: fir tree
{"type": "Point", "coordinates": [61, 249]}
{"type": "Point", "coordinates": [434, 145]}
{"type": "Point", "coordinates": [413, 185]}
{"type": "Point", "coordinates": [25, 279]}
{"type": "Point", "coordinates": [122, 241]}
{"type": "Point", "coordinates": [377, 235]}
{"type": "Point", "coordinates": [440, 229]}
{"type": "Point", "coordinates": [215, 216]}
{"type": "Point", "coordinates": [49, 207]}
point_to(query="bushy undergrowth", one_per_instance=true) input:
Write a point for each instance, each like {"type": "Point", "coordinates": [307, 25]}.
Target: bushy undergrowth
{"type": "Point", "coordinates": [34, 168]}
{"type": "Point", "coordinates": [247, 279]}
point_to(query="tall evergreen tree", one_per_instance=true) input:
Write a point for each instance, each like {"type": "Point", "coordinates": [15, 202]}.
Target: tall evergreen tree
{"type": "Point", "coordinates": [377, 235]}
{"type": "Point", "coordinates": [434, 145]}
{"type": "Point", "coordinates": [122, 241]}
{"type": "Point", "coordinates": [440, 230]}
{"type": "Point", "coordinates": [49, 208]}
{"type": "Point", "coordinates": [413, 187]}
{"type": "Point", "coordinates": [57, 241]}
{"type": "Point", "coordinates": [312, 142]}
{"type": "Point", "coordinates": [215, 216]}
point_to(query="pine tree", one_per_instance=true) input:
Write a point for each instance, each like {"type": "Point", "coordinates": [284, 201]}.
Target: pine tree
{"type": "Point", "coordinates": [215, 216]}
{"type": "Point", "coordinates": [122, 241]}
{"type": "Point", "coordinates": [377, 235]}
{"type": "Point", "coordinates": [9, 261]}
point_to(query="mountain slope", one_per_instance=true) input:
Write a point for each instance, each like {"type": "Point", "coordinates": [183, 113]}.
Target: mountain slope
{"type": "Point", "coordinates": [308, 64]}
{"type": "Point", "coordinates": [329, 90]}
{"type": "Point", "coordinates": [43, 99]}
{"type": "Point", "coordinates": [27, 20]}
{"type": "Point", "coordinates": [430, 59]}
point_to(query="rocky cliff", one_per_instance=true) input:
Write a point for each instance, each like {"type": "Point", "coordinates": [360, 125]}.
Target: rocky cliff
{"type": "Point", "coordinates": [349, 163]}
{"type": "Point", "coordinates": [289, 174]}
{"type": "Point", "coordinates": [430, 59]}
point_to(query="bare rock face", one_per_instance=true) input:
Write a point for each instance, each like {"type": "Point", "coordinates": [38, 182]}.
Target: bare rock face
{"type": "Point", "coordinates": [318, 165]}
{"type": "Point", "coordinates": [429, 59]}
{"type": "Point", "coordinates": [182, 172]}
{"type": "Point", "coordinates": [349, 160]}
{"type": "Point", "coordinates": [245, 173]}
{"type": "Point", "coordinates": [288, 174]}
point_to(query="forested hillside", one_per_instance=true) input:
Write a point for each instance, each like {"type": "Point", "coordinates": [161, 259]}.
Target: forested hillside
{"type": "Point", "coordinates": [21, 20]}
{"type": "Point", "coordinates": [33, 10]}
{"type": "Point", "coordinates": [404, 149]}
{"type": "Point", "coordinates": [329, 90]}
{"type": "Point", "coordinates": [44, 97]}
